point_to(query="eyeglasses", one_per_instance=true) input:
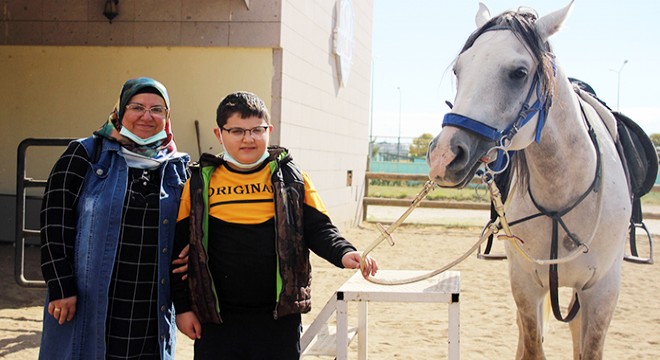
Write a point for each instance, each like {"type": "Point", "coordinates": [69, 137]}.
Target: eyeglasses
{"type": "Point", "coordinates": [255, 132]}
{"type": "Point", "coordinates": [156, 111]}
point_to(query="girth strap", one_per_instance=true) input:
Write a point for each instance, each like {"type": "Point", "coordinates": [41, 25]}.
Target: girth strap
{"type": "Point", "coordinates": [557, 221]}
{"type": "Point", "coordinates": [553, 281]}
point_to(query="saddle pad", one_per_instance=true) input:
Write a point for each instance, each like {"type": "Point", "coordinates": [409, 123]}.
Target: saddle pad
{"type": "Point", "coordinates": [640, 155]}
{"type": "Point", "coordinates": [603, 111]}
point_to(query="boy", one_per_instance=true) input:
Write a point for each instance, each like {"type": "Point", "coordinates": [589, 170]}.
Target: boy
{"type": "Point", "coordinates": [251, 216]}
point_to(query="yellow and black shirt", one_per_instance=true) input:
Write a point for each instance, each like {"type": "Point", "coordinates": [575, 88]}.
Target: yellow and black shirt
{"type": "Point", "coordinates": [241, 248]}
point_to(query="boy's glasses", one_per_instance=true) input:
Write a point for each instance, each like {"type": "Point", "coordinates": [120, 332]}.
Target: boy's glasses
{"type": "Point", "coordinates": [255, 132]}
{"type": "Point", "coordinates": [156, 111]}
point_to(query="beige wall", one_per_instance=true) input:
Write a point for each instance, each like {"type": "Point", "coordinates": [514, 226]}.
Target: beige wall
{"type": "Point", "coordinates": [69, 91]}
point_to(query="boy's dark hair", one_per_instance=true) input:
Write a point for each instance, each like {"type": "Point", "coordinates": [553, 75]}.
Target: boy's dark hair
{"type": "Point", "coordinates": [245, 103]}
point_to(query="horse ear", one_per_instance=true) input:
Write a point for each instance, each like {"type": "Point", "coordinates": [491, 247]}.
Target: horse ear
{"type": "Point", "coordinates": [483, 15]}
{"type": "Point", "coordinates": [549, 24]}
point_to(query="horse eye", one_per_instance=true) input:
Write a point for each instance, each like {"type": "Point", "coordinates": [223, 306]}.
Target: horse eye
{"type": "Point", "coordinates": [518, 74]}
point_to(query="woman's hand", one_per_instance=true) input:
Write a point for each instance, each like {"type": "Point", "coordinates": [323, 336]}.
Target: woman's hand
{"type": "Point", "coordinates": [63, 309]}
{"type": "Point", "coordinates": [351, 260]}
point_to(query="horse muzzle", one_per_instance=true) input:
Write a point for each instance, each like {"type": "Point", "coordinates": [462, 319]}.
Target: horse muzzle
{"type": "Point", "coordinates": [454, 156]}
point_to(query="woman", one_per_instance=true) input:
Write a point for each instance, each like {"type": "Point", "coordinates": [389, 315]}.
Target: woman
{"type": "Point", "coordinates": [107, 230]}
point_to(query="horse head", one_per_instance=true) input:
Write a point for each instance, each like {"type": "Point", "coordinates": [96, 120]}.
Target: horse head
{"type": "Point", "coordinates": [505, 80]}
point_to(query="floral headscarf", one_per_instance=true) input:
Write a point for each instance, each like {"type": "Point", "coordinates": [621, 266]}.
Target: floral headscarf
{"type": "Point", "coordinates": [159, 150]}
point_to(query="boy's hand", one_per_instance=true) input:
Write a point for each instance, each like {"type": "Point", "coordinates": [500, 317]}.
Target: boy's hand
{"type": "Point", "coordinates": [188, 324]}
{"type": "Point", "coordinates": [180, 264]}
{"type": "Point", "coordinates": [351, 260]}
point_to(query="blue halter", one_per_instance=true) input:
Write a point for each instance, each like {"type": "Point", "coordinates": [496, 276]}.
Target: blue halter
{"type": "Point", "coordinates": [540, 107]}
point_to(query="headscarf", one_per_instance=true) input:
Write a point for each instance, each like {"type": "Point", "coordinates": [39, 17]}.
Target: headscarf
{"type": "Point", "coordinates": [141, 156]}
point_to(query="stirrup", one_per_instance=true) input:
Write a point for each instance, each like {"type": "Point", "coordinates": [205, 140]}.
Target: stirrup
{"type": "Point", "coordinates": [486, 255]}
{"type": "Point", "coordinates": [634, 256]}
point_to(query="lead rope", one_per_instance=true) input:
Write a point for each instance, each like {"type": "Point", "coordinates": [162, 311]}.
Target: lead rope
{"type": "Point", "coordinates": [387, 234]}
{"type": "Point", "coordinates": [491, 228]}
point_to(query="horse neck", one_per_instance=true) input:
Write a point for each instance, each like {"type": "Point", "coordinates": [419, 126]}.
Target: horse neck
{"type": "Point", "coordinates": [562, 165]}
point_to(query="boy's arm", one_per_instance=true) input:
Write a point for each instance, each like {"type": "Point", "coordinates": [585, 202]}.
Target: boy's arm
{"type": "Point", "coordinates": [325, 240]}
{"type": "Point", "coordinates": [321, 235]}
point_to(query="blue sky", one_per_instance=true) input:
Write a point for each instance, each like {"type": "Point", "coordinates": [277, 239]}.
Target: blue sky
{"type": "Point", "coordinates": [414, 43]}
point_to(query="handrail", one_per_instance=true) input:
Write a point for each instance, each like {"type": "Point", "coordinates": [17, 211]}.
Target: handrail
{"type": "Point", "coordinates": [21, 233]}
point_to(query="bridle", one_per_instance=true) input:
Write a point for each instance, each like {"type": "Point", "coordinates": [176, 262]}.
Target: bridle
{"type": "Point", "coordinates": [527, 112]}
{"type": "Point", "coordinates": [504, 137]}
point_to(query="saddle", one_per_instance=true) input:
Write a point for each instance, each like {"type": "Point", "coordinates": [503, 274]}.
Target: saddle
{"type": "Point", "coordinates": [640, 161]}
{"type": "Point", "coordinates": [639, 156]}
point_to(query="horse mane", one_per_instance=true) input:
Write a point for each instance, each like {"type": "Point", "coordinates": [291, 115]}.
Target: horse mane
{"type": "Point", "coordinates": [521, 24]}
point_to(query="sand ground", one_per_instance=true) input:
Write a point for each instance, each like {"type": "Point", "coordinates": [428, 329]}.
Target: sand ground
{"type": "Point", "coordinates": [404, 330]}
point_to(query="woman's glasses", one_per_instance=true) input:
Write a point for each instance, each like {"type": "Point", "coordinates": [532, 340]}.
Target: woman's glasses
{"type": "Point", "coordinates": [156, 111]}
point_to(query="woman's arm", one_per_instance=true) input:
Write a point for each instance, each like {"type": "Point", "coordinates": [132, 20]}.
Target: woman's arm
{"type": "Point", "coordinates": [58, 221]}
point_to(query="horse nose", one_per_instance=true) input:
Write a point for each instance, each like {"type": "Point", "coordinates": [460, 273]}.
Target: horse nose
{"type": "Point", "coordinates": [430, 150]}
{"type": "Point", "coordinates": [448, 156]}
{"type": "Point", "coordinates": [460, 151]}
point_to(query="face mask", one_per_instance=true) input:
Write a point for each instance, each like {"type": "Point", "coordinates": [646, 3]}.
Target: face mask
{"type": "Point", "coordinates": [140, 141]}
{"type": "Point", "coordinates": [228, 158]}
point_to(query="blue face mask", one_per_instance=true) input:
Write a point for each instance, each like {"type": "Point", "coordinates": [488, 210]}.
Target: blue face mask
{"type": "Point", "coordinates": [228, 158]}
{"type": "Point", "coordinates": [140, 141]}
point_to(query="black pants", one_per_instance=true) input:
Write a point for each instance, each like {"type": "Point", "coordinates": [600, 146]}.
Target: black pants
{"type": "Point", "coordinates": [250, 338]}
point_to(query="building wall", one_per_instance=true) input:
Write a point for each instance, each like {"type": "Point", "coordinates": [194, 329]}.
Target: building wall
{"type": "Point", "coordinates": [324, 123]}
{"type": "Point", "coordinates": [141, 23]}
{"type": "Point", "coordinates": [63, 63]}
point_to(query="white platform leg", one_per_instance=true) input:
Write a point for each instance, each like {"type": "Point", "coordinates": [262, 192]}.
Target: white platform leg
{"type": "Point", "coordinates": [342, 330]}
{"type": "Point", "coordinates": [454, 331]}
{"type": "Point", "coordinates": [363, 330]}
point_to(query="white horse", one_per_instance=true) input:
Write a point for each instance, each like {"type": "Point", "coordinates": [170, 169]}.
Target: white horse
{"type": "Point", "coordinates": [570, 187]}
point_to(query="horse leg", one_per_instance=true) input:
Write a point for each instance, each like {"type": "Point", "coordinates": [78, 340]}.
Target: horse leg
{"type": "Point", "coordinates": [529, 298]}
{"type": "Point", "coordinates": [576, 328]}
{"type": "Point", "coordinates": [597, 307]}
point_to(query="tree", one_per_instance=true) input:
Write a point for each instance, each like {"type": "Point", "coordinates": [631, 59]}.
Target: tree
{"type": "Point", "coordinates": [375, 149]}
{"type": "Point", "coordinates": [656, 139]}
{"type": "Point", "coordinates": [420, 145]}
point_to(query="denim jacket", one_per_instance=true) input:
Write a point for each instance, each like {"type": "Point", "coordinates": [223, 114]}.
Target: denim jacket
{"type": "Point", "coordinates": [99, 224]}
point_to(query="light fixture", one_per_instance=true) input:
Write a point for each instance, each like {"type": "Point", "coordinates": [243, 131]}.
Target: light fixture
{"type": "Point", "coordinates": [111, 9]}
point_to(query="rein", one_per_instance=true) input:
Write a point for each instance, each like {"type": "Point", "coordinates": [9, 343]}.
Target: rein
{"type": "Point", "coordinates": [386, 234]}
